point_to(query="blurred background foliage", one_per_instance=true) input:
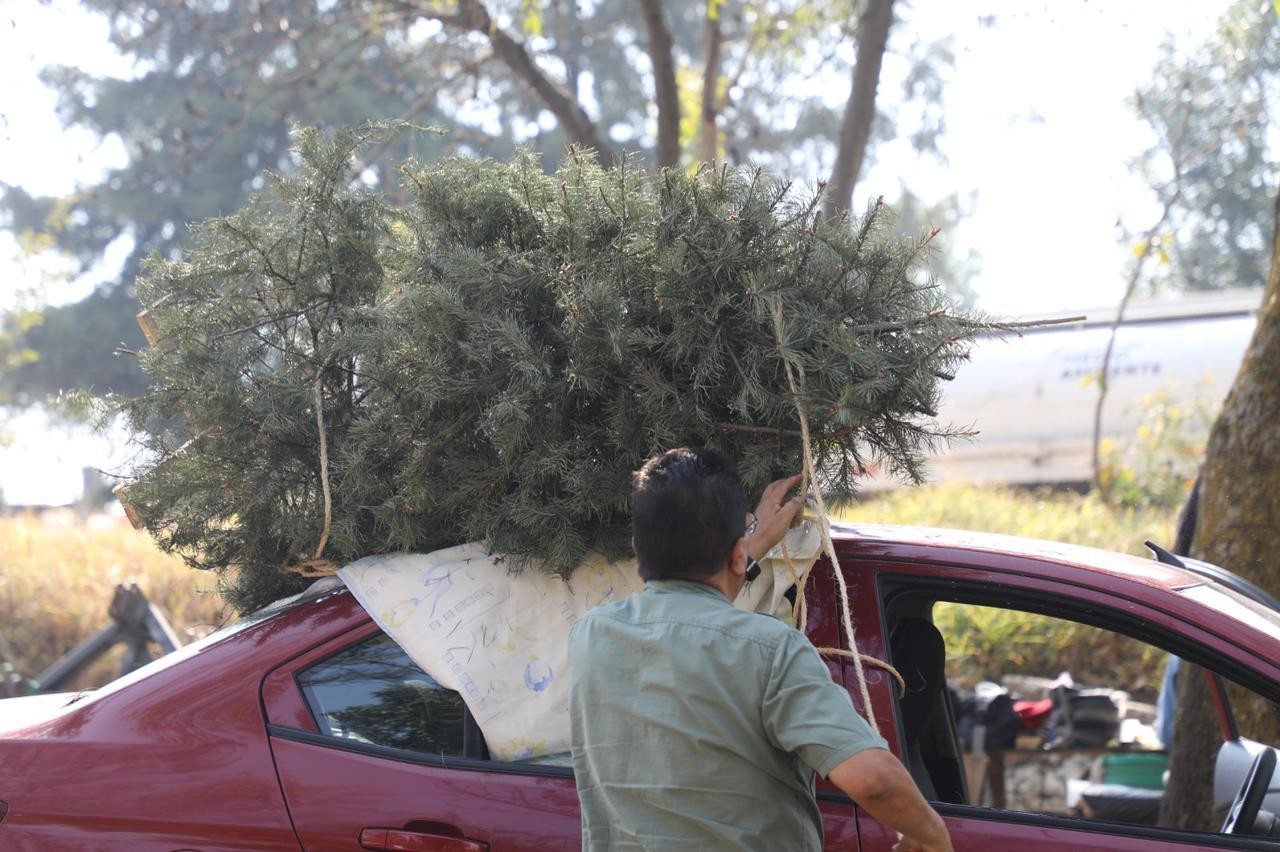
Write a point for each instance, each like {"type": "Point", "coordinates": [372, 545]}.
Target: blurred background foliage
{"type": "Point", "coordinates": [220, 85]}
{"type": "Point", "coordinates": [996, 642]}
{"type": "Point", "coordinates": [1156, 467]}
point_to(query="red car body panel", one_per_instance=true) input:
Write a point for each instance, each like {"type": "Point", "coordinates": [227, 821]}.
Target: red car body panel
{"type": "Point", "coordinates": [176, 758]}
{"type": "Point", "coordinates": [214, 747]}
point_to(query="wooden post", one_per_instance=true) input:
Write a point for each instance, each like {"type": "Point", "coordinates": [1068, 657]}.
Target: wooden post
{"type": "Point", "coordinates": [134, 621]}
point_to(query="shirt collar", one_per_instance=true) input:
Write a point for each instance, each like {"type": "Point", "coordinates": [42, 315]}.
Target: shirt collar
{"type": "Point", "coordinates": [685, 587]}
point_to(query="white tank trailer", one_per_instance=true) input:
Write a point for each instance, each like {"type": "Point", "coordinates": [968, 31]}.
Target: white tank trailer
{"type": "Point", "coordinates": [1032, 398]}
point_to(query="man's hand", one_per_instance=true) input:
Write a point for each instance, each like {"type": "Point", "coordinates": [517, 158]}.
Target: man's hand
{"type": "Point", "coordinates": [910, 844]}
{"type": "Point", "coordinates": [774, 516]}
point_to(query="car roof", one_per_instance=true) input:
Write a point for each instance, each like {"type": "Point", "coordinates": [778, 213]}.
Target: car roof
{"type": "Point", "coordinates": [1042, 557]}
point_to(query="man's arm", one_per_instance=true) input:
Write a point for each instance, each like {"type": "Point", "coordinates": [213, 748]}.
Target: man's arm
{"type": "Point", "coordinates": [881, 786]}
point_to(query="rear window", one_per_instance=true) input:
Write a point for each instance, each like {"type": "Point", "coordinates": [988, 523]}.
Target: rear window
{"type": "Point", "coordinates": [373, 693]}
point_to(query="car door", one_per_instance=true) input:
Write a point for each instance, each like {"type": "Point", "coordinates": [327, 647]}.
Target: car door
{"type": "Point", "coordinates": [372, 753]}
{"type": "Point", "coordinates": [898, 593]}
{"type": "Point", "coordinates": [368, 746]}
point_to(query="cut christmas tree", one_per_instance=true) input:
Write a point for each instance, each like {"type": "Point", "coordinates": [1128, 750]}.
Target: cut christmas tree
{"type": "Point", "coordinates": [333, 376]}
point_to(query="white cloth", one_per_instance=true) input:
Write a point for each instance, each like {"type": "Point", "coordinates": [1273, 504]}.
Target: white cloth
{"type": "Point", "coordinates": [500, 639]}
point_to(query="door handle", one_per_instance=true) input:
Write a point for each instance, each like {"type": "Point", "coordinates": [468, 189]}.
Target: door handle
{"type": "Point", "coordinates": [417, 841]}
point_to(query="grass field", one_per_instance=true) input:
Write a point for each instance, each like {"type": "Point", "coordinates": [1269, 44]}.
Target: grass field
{"type": "Point", "coordinates": [57, 573]}
{"type": "Point", "coordinates": [1053, 515]}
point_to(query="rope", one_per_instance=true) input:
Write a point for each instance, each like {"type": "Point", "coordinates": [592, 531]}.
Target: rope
{"type": "Point", "coordinates": [317, 566]}
{"type": "Point", "coordinates": [824, 527]}
{"type": "Point", "coordinates": [801, 621]}
{"type": "Point", "coordinates": [324, 465]}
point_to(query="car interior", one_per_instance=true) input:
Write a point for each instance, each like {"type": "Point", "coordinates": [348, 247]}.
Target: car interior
{"type": "Point", "coordinates": [1246, 787]}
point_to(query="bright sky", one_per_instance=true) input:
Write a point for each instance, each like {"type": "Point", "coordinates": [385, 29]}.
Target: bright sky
{"type": "Point", "coordinates": [1037, 124]}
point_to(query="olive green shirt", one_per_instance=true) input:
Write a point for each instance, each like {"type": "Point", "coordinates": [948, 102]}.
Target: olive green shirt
{"type": "Point", "coordinates": [699, 726]}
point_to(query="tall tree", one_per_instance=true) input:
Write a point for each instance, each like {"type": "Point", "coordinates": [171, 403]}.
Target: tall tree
{"type": "Point", "coordinates": [1214, 172]}
{"type": "Point", "coordinates": [1239, 513]}
{"type": "Point", "coordinates": [855, 129]}
{"type": "Point", "coordinates": [222, 83]}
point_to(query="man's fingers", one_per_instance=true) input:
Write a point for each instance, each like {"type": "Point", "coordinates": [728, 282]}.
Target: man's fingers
{"type": "Point", "coordinates": [776, 490]}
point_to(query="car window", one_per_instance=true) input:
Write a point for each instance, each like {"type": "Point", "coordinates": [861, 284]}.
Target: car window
{"type": "Point", "coordinates": [1048, 712]}
{"type": "Point", "coordinates": [374, 694]}
{"type": "Point", "coordinates": [1017, 711]}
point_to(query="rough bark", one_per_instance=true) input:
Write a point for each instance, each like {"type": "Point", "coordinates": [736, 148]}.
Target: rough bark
{"type": "Point", "coordinates": [708, 138]}
{"type": "Point", "coordinates": [1239, 514]}
{"type": "Point", "coordinates": [472, 15]}
{"type": "Point", "coordinates": [1240, 508]}
{"type": "Point", "coordinates": [860, 111]}
{"type": "Point", "coordinates": [666, 94]}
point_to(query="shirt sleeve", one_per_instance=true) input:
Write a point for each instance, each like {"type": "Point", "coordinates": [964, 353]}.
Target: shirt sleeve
{"type": "Point", "coordinates": [807, 713]}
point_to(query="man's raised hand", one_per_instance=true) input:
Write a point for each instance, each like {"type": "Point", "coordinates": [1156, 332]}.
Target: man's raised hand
{"type": "Point", "coordinates": [774, 516]}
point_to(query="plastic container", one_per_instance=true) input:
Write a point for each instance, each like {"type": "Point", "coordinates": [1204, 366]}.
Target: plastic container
{"type": "Point", "coordinates": [1135, 769]}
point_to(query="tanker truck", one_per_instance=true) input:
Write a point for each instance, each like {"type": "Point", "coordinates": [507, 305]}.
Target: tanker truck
{"type": "Point", "coordinates": [1032, 397]}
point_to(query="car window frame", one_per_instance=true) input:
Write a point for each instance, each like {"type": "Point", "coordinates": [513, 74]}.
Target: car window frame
{"type": "Point", "coordinates": [288, 715]}
{"type": "Point", "coordinates": [325, 725]}
{"type": "Point", "coordinates": [896, 586]}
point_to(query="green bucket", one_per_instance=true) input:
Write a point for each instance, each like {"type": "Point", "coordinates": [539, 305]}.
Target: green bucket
{"type": "Point", "coordinates": [1135, 769]}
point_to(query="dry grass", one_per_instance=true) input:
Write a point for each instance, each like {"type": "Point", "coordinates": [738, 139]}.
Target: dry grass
{"type": "Point", "coordinates": [57, 576]}
{"type": "Point", "coordinates": [1052, 515]}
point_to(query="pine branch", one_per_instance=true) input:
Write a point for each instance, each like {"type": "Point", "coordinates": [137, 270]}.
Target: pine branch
{"type": "Point", "coordinates": [267, 321]}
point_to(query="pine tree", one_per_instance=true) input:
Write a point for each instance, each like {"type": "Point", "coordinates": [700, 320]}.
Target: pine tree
{"type": "Point", "coordinates": [493, 360]}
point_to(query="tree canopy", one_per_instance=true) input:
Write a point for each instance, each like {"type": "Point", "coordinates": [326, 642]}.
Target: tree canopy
{"type": "Point", "coordinates": [1213, 165]}
{"type": "Point", "coordinates": [333, 375]}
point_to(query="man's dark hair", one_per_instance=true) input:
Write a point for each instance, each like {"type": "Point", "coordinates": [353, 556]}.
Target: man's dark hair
{"type": "Point", "coordinates": [688, 509]}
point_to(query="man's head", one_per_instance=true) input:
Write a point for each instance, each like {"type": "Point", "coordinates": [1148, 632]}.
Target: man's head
{"type": "Point", "coordinates": [688, 510]}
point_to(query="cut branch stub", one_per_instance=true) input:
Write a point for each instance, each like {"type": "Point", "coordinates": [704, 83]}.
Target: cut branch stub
{"type": "Point", "coordinates": [130, 512]}
{"type": "Point", "coordinates": [148, 326]}
{"type": "Point", "coordinates": [147, 322]}
{"type": "Point", "coordinates": [121, 491]}
{"type": "Point", "coordinates": [151, 331]}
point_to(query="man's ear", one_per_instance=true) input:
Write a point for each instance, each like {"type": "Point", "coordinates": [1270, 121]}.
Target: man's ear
{"type": "Point", "coordinates": [738, 558]}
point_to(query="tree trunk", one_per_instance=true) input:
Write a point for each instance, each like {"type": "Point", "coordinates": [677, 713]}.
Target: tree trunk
{"type": "Point", "coordinates": [860, 111]}
{"type": "Point", "coordinates": [1188, 798]}
{"type": "Point", "coordinates": [562, 103]}
{"type": "Point", "coordinates": [708, 137]}
{"type": "Point", "coordinates": [664, 83]}
{"type": "Point", "coordinates": [1239, 515]}
{"type": "Point", "coordinates": [569, 34]}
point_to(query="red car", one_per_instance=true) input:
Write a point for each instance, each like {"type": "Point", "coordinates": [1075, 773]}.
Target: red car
{"type": "Point", "coordinates": [304, 726]}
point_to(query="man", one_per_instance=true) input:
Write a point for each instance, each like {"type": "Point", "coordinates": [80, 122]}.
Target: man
{"type": "Point", "coordinates": [697, 725]}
